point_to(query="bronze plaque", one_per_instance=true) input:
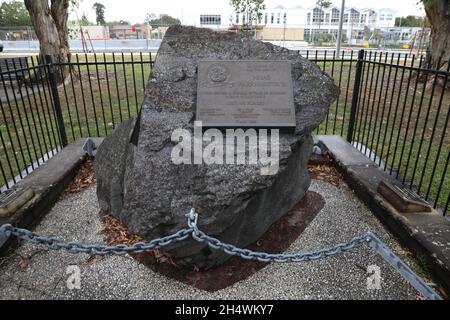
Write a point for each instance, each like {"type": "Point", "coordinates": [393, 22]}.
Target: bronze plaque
{"type": "Point", "coordinates": [245, 94]}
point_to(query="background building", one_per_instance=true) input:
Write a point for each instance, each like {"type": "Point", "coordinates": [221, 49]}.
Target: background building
{"type": "Point", "coordinates": [88, 32]}
{"type": "Point", "coordinates": [128, 31]}
{"type": "Point", "coordinates": [299, 23]}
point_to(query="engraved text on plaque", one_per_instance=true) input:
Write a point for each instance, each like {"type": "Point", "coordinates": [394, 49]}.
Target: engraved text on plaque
{"type": "Point", "coordinates": [243, 94]}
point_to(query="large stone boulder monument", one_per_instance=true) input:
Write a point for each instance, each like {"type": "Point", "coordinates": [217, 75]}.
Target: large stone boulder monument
{"type": "Point", "coordinates": [138, 182]}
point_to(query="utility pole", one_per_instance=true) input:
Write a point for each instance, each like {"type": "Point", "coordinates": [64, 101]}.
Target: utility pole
{"type": "Point", "coordinates": [341, 23]}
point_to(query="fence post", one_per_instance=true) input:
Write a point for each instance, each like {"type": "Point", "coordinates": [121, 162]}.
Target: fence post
{"type": "Point", "coordinates": [55, 99]}
{"type": "Point", "coordinates": [355, 99]}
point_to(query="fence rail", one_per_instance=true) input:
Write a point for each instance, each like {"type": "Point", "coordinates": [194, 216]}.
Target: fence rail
{"type": "Point", "coordinates": [393, 107]}
{"type": "Point", "coordinates": [401, 122]}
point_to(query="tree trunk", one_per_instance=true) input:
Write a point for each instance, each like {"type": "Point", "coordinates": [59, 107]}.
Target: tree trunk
{"type": "Point", "coordinates": [50, 24]}
{"type": "Point", "coordinates": [438, 13]}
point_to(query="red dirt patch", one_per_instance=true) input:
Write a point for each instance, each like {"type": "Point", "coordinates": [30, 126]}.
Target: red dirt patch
{"type": "Point", "coordinates": [276, 240]}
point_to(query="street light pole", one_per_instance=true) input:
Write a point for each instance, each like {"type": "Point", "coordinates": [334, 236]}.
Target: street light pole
{"type": "Point", "coordinates": [341, 23]}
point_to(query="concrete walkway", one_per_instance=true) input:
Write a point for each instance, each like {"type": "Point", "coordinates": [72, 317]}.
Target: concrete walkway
{"type": "Point", "coordinates": [36, 273]}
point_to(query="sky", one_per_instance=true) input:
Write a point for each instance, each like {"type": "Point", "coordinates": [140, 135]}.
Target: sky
{"type": "Point", "coordinates": [136, 10]}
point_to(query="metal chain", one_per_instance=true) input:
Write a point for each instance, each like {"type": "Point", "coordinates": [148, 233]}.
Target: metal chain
{"type": "Point", "coordinates": [198, 235]}
{"type": "Point", "coordinates": [232, 250]}
{"type": "Point", "coordinates": [192, 230]}
{"type": "Point", "coordinates": [369, 239]}
{"type": "Point", "coordinates": [74, 247]}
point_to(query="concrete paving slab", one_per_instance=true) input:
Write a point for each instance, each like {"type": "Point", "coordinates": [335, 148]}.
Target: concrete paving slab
{"type": "Point", "coordinates": [48, 182]}
{"type": "Point", "coordinates": [342, 151]}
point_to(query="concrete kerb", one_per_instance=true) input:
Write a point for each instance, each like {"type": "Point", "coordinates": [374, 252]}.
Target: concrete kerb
{"type": "Point", "coordinates": [425, 234]}
{"type": "Point", "coordinates": [48, 183]}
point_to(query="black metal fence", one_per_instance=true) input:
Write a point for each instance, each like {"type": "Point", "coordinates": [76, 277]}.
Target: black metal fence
{"type": "Point", "coordinates": [38, 117]}
{"type": "Point", "coordinates": [401, 119]}
{"type": "Point", "coordinates": [393, 107]}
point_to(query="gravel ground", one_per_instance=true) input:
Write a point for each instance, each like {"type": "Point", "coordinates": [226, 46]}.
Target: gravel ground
{"type": "Point", "coordinates": [36, 273]}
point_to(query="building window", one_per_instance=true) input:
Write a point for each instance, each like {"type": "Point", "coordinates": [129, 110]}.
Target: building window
{"type": "Point", "coordinates": [335, 16]}
{"type": "Point", "coordinates": [363, 18]}
{"type": "Point", "coordinates": [354, 16]}
{"type": "Point", "coordinates": [327, 18]}
{"type": "Point", "coordinates": [272, 18]}
{"type": "Point", "coordinates": [308, 19]}
{"type": "Point", "coordinates": [237, 19]}
{"type": "Point", "coordinates": [307, 35]}
{"type": "Point", "coordinates": [243, 19]}
{"type": "Point", "coordinates": [278, 18]}
{"type": "Point", "coordinates": [389, 17]}
{"type": "Point", "coordinates": [381, 17]}
{"type": "Point", "coordinates": [318, 15]}
{"type": "Point", "coordinates": [266, 18]}
{"type": "Point", "coordinates": [210, 19]}
{"type": "Point", "coordinates": [285, 18]}
{"type": "Point", "coordinates": [346, 18]}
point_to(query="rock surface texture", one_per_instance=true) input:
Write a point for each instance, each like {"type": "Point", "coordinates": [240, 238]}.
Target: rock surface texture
{"type": "Point", "coordinates": [139, 183]}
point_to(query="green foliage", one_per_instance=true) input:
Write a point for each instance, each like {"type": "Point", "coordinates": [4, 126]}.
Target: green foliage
{"type": "Point", "coordinates": [252, 8]}
{"type": "Point", "coordinates": [412, 21]}
{"type": "Point", "coordinates": [13, 14]}
{"type": "Point", "coordinates": [111, 24]}
{"type": "Point", "coordinates": [325, 37]}
{"type": "Point", "coordinates": [324, 3]}
{"type": "Point", "coordinates": [99, 13]}
{"type": "Point", "coordinates": [84, 21]}
{"type": "Point", "coordinates": [162, 21]}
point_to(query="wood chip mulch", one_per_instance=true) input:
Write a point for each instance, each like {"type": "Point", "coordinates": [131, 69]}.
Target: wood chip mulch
{"type": "Point", "coordinates": [84, 179]}
{"type": "Point", "coordinates": [116, 233]}
{"type": "Point", "coordinates": [323, 169]}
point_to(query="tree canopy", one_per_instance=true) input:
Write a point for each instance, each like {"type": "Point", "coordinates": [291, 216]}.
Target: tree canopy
{"type": "Point", "coordinates": [324, 3]}
{"type": "Point", "coordinates": [162, 21]}
{"type": "Point", "coordinates": [111, 24]}
{"type": "Point", "coordinates": [84, 21]}
{"type": "Point", "coordinates": [412, 21]}
{"type": "Point", "coordinates": [14, 14]}
{"type": "Point", "coordinates": [99, 13]}
{"type": "Point", "coordinates": [252, 8]}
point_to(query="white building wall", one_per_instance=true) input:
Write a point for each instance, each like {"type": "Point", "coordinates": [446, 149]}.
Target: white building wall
{"type": "Point", "coordinates": [386, 18]}
{"type": "Point", "coordinates": [193, 18]}
{"type": "Point", "coordinates": [355, 19]}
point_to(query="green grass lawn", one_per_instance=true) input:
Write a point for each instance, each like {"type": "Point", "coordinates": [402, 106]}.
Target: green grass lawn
{"type": "Point", "coordinates": [402, 120]}
{"type": "Point", "coordinates": [95, 99]}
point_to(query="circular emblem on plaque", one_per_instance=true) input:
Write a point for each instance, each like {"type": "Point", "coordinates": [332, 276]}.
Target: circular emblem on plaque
{"type": "Point", "coordinates": [218, 73]}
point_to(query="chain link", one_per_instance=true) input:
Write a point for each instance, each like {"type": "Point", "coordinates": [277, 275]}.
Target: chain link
{"type": "Point", "coordinates": [192, 230]}
{"type": "Point", "coordinates": [215, 244]}
{"type": "Point", "coordinates": [74, 247]}
{"type": "Point", "coordinates": [232, 250]}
